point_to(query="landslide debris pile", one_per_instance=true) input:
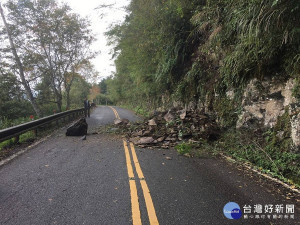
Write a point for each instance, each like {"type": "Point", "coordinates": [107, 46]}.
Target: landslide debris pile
{"type": "Point", "coordinates": [166, 129]}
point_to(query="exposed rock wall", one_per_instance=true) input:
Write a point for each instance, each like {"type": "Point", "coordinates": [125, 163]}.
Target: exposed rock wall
{"type": "Point", "coordinates": [295, 124]}
{"type": "Point", "coordinates": [264, 102]}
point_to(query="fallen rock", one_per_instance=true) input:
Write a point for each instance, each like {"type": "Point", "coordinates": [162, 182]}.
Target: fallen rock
{"type": "Point", "coordinates": [152, 123]}
{"type": "Point", "coordinates": [139, 133]}
{"type": "Point", "coordinates": [134, 140]}
{"type": "Point", "coordinates": [160, 139]}
{"type": "Point", "coordinates": [145, 140]}
{"type": "Point", "coordinates": [125, 121]}
{"type": "Point", "coordinates": [170, 139]}
{"type": "Point", "coordinates": [117, 121]}
{"type": "Point", "coordinates": [167, 129]}
{"type": "Point", "coordinates": [121, 121]}
{"type": "Point", "coordinates": [147, 132]}
{"type": "Point", "coordinates": [182, 114]}
{"type": "Point", "coordinates": [169, 117]}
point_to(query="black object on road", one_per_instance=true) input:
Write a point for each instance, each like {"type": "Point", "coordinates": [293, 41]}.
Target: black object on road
{"type": "Point", "coordinates": [78, 129]}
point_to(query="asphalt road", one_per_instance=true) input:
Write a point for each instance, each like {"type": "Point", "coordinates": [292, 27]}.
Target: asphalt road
{"type": "Point", "coordinates": [106, 180]}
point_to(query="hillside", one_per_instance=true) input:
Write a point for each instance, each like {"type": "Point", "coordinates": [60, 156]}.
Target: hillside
{"type": "Point", "coordinates": [236, 61]}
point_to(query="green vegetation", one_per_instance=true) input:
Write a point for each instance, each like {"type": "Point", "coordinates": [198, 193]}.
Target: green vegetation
{"type": "Point", "coordinates": [45, 60]}
{"type": "Point", "coordinates": [261, 152]}
{"type": "Point", "coordinates": [12, 102]}
{"type": "Point", "coordinates": [5, 123]}
{"type": "Point", "coordinates": [48, 49]}
{"type": "Point", "coordinates": [6, 143]}
{"type": "Point", "coordinates": [102, 96]}
{"type": "Point", "coordinates": [194, 50]}
{"type": "Point", "coordinates": [269, 151]}
{"type": "Point", "coordinates": [27, 137]}
{"type": "Point", "coordinates": [226, 111]}
{"type": "Point", "coordinates": [183, 148]}
{"type": "Point", "coordinates": [266, 155]}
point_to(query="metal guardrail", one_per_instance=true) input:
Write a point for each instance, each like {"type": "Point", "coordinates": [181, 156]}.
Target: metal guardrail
{"type": "Point", "coordinates": [15, 131]}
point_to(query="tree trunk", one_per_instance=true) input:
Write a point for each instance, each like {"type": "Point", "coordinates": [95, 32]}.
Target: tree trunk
{"type": "Point", "coordinates": [20, 67]}
{"type": "Point", "coordinates": [68, 89]}
{"type": "Point", "coordinates": [59, 101]}
{"type": "Point", "coordinates": [68, 100]}
{"type": "Point", "coordinates": [59, 104]}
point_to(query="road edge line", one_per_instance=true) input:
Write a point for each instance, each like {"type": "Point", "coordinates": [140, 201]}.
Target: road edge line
{"type": "Point", "coordinates": [230, 159]}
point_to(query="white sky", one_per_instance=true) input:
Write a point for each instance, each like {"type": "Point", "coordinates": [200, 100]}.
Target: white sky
{"type": "Point", "coordinates": [86, 8]}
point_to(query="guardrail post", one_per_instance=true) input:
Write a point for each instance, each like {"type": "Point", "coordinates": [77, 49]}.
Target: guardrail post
{"type": "Point", "coordinates": [35, 132]}
{"type": "Point", "coordinates": [16, 139]}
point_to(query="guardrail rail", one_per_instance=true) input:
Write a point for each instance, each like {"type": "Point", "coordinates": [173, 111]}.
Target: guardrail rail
{"type": "Point", "coordinates": [16, 131]}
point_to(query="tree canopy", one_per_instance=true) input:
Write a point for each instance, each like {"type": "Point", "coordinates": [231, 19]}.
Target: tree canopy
{"type": "Point", "coordinates": [176, 50]}
{"type": "Point", "coordinates": [49, 49]}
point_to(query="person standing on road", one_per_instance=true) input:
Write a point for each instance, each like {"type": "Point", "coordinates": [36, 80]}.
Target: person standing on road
{"type": "Point", "coordinates": [86, 108]}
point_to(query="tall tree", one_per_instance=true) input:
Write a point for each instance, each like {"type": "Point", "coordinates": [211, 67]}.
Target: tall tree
{"type": "Point", "coordinates": [83, 67]}
{"type": "Point", "coordinates": [79, 91]}
{"type": "Point", "coordinates": [20, 65]}
{"type": "Point", "coordinates": [152, 50]}
{"type": "Point", "coordinates": [57, 41]}
{"type": "Point", "coordinates": [13, 103]}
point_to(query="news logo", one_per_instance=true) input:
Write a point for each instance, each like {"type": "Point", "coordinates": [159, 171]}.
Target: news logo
{"type": "Point", "coordinates": [232, 211]}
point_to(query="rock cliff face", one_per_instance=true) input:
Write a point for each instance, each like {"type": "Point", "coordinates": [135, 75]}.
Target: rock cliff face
{"type": "Point", "coordinates": [265, 102]}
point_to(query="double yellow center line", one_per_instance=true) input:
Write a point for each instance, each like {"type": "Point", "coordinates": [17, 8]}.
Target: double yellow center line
{"type": "Point", "coordinates": [115, 112]}
{"type": "Point", "coordinates": [135, 207]}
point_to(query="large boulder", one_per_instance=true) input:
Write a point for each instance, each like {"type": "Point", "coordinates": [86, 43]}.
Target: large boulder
{"type": "Point", "coordinates": [79, 128]}
{"type": "Point", "coordinates": [142, 140]}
